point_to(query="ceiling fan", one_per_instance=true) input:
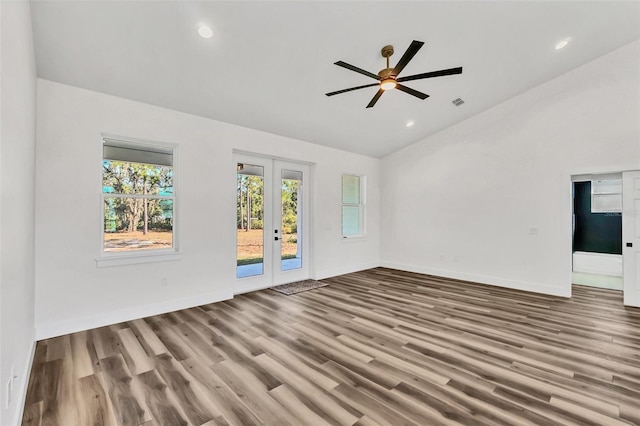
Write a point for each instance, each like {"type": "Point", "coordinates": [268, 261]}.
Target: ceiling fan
{"type": "Point", "coordinates": [388, 78]}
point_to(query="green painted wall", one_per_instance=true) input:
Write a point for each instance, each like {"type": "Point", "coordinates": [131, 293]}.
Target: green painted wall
{"type": "Point", "coordinates": [594, 232]}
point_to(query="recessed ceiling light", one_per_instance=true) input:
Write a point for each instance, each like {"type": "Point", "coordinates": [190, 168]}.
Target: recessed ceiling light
{"type": "Point", "coordinates": [410, 123]}
{"type": "Point", "coordinates": [205, 31]}
{"type": "Point", "coordinates": [562, 44]}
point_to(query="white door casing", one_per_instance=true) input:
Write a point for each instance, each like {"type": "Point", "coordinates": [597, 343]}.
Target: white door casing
{"type": "Point", "coordinates": [631, 237]}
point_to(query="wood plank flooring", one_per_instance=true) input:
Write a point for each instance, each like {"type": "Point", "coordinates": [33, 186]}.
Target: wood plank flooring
{"type": "Point", "coordinates": [374, 347]}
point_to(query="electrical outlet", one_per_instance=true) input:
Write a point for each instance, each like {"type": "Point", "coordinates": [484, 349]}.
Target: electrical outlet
{"type": "Point", "coordinates": [163, 282]}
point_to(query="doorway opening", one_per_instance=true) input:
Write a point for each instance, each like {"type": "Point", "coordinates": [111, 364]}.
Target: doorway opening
{"type": "Point", "coordinates": [271, 222]}
{"type": "Point", "coordinates": [597, 231]}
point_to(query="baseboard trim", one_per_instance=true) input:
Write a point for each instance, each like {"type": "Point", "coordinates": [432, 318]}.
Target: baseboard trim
{"type": "Point", "coordinates": [482, 279]}
{"type": "Point", "coordinates": [60, 328]}
{"type": "Point", "coordinates": [25, 384]}
{"type": "Point", "coordinates": [328, 273]}
{"type": "Point", "coordinates": [632, 299]}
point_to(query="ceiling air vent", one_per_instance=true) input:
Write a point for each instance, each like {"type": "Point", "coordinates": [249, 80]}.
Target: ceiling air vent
{"type": "Point", "coordinates": [457, 102]}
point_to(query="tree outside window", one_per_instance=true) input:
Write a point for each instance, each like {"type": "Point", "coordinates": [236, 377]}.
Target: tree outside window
{"type": "Point", "coordinates": [138, 198]}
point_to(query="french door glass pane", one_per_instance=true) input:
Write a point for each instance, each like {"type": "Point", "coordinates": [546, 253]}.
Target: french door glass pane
{"type": "Point", "coordinates": [290, 252]}
{"type": "Point", "coordinates": [250, 220]}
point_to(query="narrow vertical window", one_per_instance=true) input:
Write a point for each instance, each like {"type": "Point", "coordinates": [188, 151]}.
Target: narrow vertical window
{"type": "Point", "coordinates": [138, 197]}
{"type": "Point", "coordinates": [352, 206]}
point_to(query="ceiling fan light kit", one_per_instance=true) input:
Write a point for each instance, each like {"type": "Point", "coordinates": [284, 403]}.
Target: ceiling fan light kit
{"type": "Point", "coordinates": [388, 77]}
{"type": "Point", "coordinates": [388, 84]}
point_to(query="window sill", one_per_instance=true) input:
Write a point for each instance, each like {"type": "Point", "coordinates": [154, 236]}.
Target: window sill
{"type": "Point", "coordinates": [133, 259]}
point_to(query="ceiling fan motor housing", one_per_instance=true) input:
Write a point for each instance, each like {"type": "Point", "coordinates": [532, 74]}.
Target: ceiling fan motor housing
{"type": "Point", "coordinates": [386, 73]}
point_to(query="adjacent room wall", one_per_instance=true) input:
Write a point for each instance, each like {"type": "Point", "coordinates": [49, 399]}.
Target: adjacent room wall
{"type": "Point", "coordinates": [17, 142]}
{"type": "Point", "coordinates": [594, 232]}
{"type": "Point", "coordinates": [72, 293]}
{"type": "Point", "coordinates": [489, 199]}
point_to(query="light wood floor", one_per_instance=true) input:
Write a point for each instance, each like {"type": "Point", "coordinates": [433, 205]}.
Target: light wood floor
{"type": "Point", "coordinates": [374, 347]}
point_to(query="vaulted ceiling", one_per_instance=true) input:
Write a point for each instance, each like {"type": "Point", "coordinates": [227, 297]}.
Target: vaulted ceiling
{"type": "Point", "coordinates": [270, 63]}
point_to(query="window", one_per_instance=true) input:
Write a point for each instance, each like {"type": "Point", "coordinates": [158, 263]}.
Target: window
{"type": "Point", "coordinates": [352, 206]}
{"type": "Point", "coordinates": [137, 197]}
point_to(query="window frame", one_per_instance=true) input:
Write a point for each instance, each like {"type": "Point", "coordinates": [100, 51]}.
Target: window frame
{"type": "Point", "coordinates": [106, 258]}
{"type": "Point", "coordinates": [361, 206]}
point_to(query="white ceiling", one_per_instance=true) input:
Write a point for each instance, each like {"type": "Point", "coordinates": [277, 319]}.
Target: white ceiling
{"type": "Point", "coordinates": [270, 63]}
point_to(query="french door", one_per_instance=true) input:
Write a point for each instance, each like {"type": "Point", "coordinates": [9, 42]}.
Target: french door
{"type": "Point", "coordinates": [272, 222]}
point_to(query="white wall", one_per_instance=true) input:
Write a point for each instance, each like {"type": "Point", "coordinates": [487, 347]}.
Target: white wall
{"type": "Point", "coordinates": [72, 293]}
{"type": "Point", "coordinates": [17, 142]}
{"type": "Point", "coordinates": [489, 199]}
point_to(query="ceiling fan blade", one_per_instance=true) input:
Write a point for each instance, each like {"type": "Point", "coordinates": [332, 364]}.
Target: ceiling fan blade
{"type": "Point", "coordinates": [337, 92]}
{"type": "Point", "coordinates": [410, 91]}
{"type": "Point", "coordinates": [408, 55]}
{"type": "Point", "coordinates": [375, 98]}
{"type": "Point", "coordinates": [356, 69]}
{"type": "Point", "coordinates": [440, 73]}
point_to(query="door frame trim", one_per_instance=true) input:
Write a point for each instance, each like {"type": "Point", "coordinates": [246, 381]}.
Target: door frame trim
{"type": "Point", "coordinates": [568, 180]}
{"type": "Point", "coordinates": [630, 287]}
